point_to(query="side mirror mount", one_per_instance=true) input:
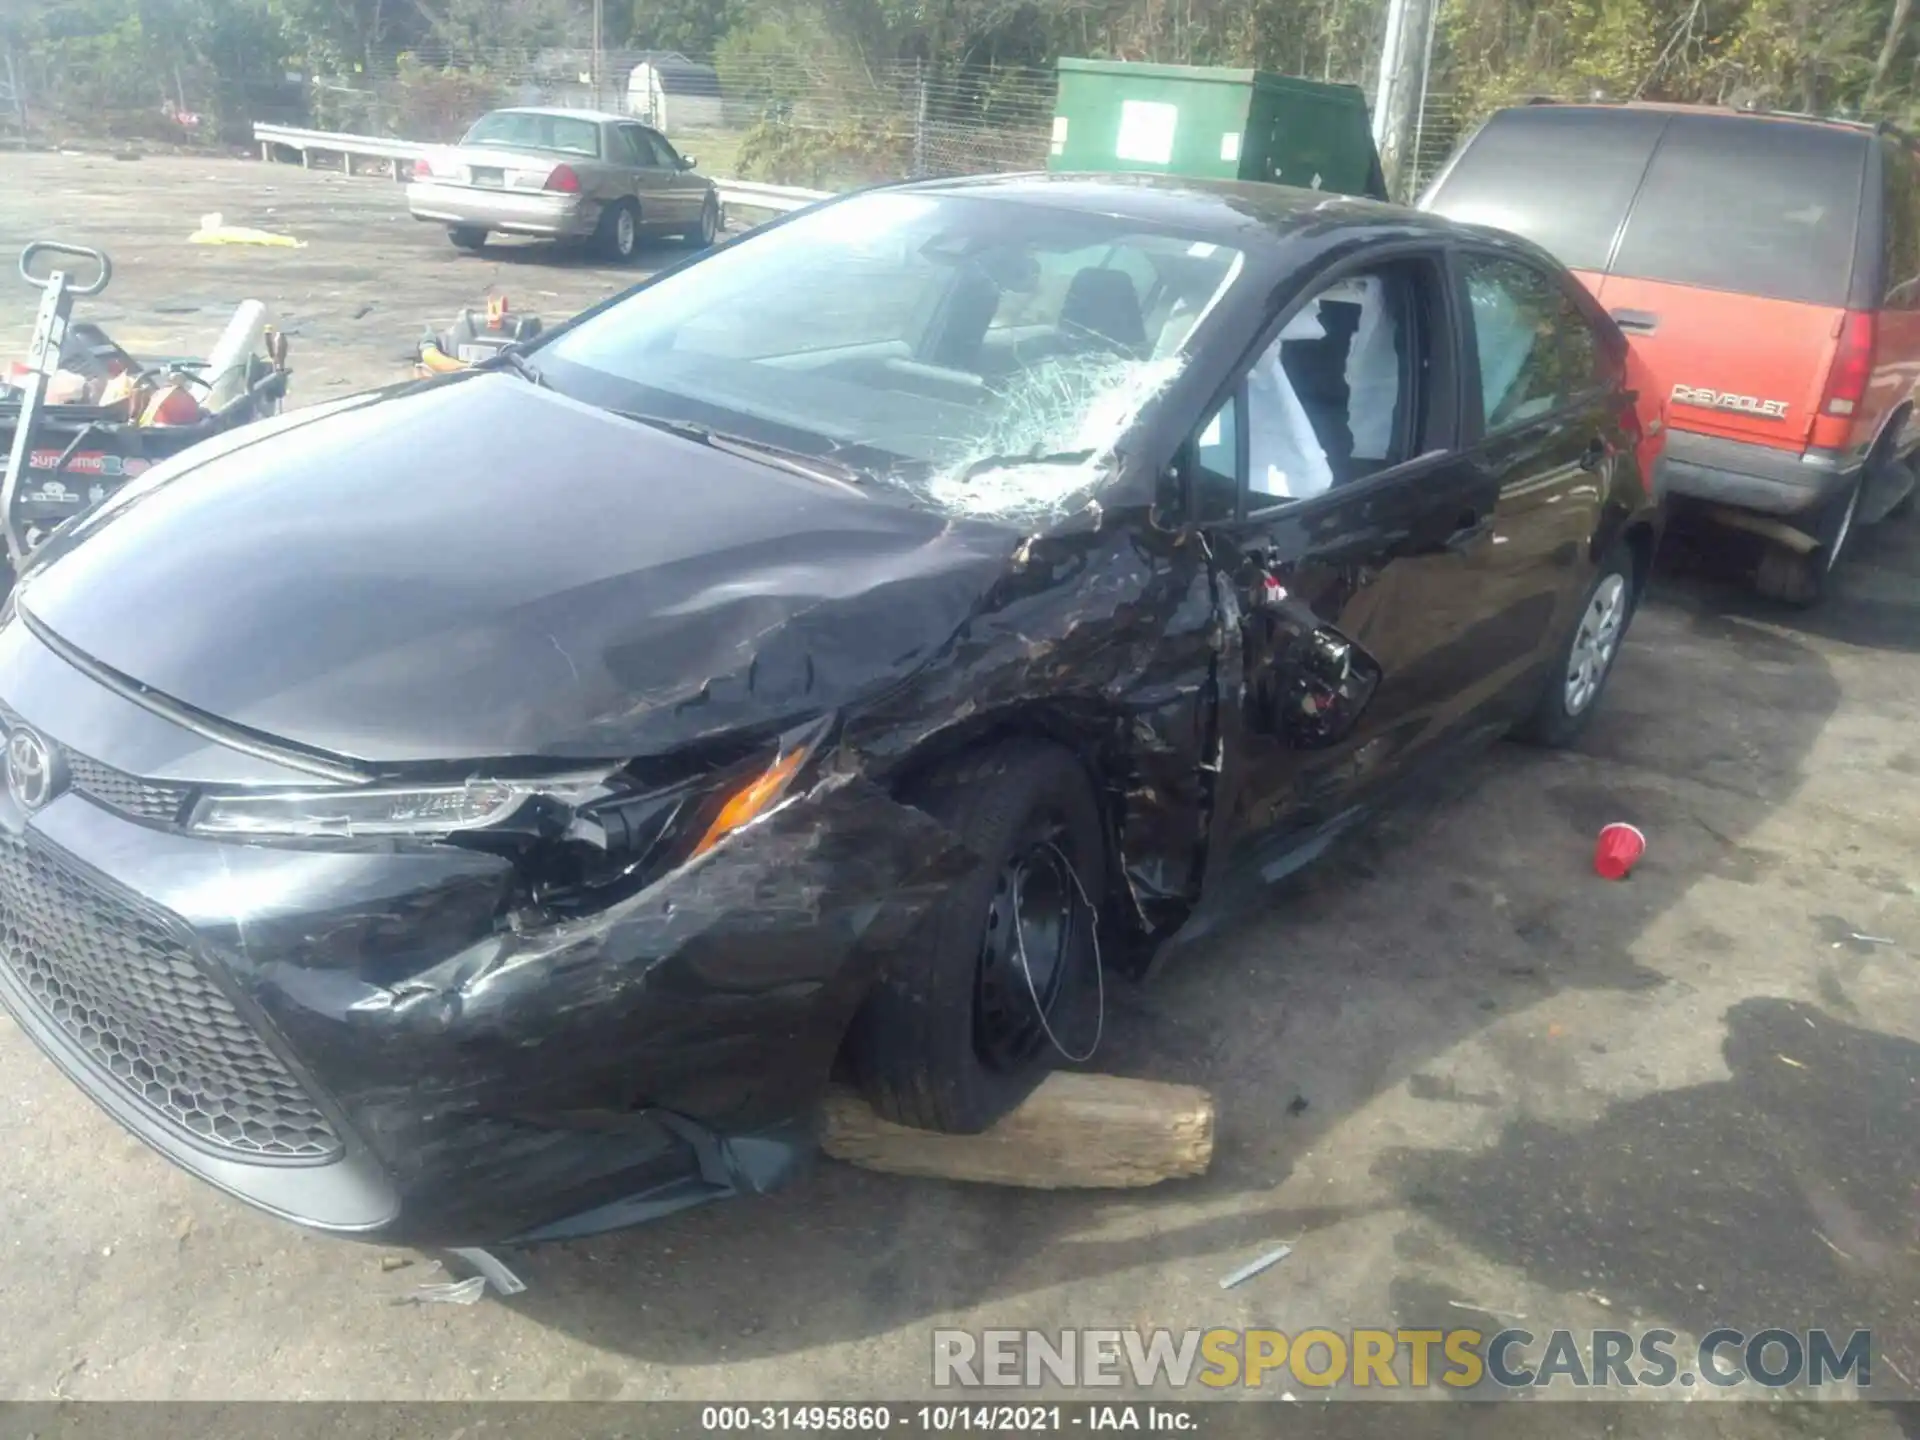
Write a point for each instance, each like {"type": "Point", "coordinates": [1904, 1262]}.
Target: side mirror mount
{"type": "Point", "coordinates": [1325, 686]}
{"type": "Point", "coordinates": [687, 162]}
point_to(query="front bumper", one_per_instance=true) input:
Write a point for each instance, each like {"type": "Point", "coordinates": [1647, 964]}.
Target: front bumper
{"type": "Point", "coordinates": [512, 212]}
{"type": "Point", "coordinates": [367, 1043]}
{"type": "Point", "coordinates": [1759, 478]}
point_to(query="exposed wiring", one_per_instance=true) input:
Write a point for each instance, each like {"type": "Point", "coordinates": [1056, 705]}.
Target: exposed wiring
{"type": "Point", "coordinates": [1099, 970]}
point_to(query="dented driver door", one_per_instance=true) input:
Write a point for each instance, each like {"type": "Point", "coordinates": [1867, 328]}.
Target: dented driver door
{"type": "Point", "coordinates": [1328, 670]}
{"type": "Point", "coordinates": [1341, 606]}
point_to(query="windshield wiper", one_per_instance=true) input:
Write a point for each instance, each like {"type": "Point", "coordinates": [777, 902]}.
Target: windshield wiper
{"type": "Point", "coordinates": [1026, 457]}
{"type": "Point", "coordinates": [511, 359]}
{"type": "Point", "coordinates": [794, 462]}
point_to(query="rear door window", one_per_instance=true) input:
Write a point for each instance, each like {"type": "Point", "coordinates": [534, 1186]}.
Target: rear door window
{"type": "Point", "coordinates": [1759, 207]}
{"type": "Point", "coordinates": [1561, 175]}
{"type": "Point", "coordinates": [626, 148]}
{"type": "Point", "coordinates": [1537, 352]}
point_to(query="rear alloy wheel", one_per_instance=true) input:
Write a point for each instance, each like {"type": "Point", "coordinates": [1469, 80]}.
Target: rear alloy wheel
{"type": "Point", "coordinates": [1574, 685]}
{"type": "Point", "coordinates": [619, 234]}
{"type": "Point", "coordinates": [1802, 580]}
{"type": "Point", "coordinates": [467, 237]}
{"type": "Point", "coordinates": [956, 1031]}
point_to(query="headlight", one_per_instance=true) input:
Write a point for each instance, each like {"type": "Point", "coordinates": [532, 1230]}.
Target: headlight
{"type": "Point", "coordinates": [602, 810]}
{"type": "Point", "coordinates": [421, 811]}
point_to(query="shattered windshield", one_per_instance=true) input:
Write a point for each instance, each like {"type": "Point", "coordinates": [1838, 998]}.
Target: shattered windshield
{"type": "Point", "coordinates": [983, 355]}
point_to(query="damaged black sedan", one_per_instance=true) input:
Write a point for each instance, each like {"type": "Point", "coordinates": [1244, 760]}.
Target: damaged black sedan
{"type": "Point", "coordinates": [494, 808]}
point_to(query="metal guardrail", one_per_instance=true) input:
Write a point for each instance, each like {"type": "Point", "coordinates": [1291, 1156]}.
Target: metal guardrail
{"type": "Point", "coordinates": [747, 194]}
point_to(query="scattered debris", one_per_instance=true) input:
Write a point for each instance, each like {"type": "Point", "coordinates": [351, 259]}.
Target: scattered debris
{"type": "Point", "coordinates": [60, 1383]}
{"type": "Point", "coordinates": [1594, 1295]}
{"type": "Point", "coordinates": [456, 1292]}
{"type": "Point", "coordinates": [1297, 1105]}
{"type": "Point", "coordinates": [1872, 939]}
{"type": "Point", "coordinates": [1254, 1267]}
{"type": "Point", "coordinates": [1888, 1361]}
{"type": "Point", "coordinates": [390, 1263]}
{"type": "Point", "coordinates": [491, 1269]}
{"type": "Point", "coordinates": [1618, 850]}
{"type": "Point", "coordinates": [213, 231]}
{"type": "Point", "coordinates": [1788, 1060]}
{"type": "Point", "coordinates": [474, 336]}
{"type": "Point", "coordinates": [1833, 1247]}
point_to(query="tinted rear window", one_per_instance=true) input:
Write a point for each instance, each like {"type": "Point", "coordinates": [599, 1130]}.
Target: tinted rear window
{"type": "Point", "coordinates": [1761, 207]}
{"type": "Point", "coordinates": [1562, 176]}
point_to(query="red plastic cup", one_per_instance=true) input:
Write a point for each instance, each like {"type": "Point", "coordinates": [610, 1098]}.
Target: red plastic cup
{"type": "Point", "coordinates": [1619, 850]}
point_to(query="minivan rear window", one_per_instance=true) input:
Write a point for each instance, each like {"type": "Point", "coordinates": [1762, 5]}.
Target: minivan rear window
{"type": "Point", "coordinates": [1760, 207]}
{"type": "Point", "coordinates": [1561, 175]}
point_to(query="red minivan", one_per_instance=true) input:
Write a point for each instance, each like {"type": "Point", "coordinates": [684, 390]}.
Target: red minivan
{"type": "Point", "coordinates": [1766, 269]}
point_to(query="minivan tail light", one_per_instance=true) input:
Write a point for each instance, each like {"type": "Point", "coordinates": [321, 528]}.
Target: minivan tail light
{"type": "Point", "coordinates": [1852, 366]}
{"type": "Point", "coordinates": [563, 180]}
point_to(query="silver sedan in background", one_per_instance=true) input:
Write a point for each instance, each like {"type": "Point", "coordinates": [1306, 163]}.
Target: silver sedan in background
{"type": "Point", "coordinates": [564, 175]}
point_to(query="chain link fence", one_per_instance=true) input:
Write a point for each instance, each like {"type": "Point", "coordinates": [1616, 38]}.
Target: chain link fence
{"type": "Point", "coordinates": [827, 121]}
{"type": "Point", "coordinates": [1444, 122]}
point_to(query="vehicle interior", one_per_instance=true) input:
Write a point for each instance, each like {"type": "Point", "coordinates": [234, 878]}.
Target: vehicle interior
{"type": "Point", "coordinates": [1328, 402]}
{"type": "Point", "coordinates": [939, 351]}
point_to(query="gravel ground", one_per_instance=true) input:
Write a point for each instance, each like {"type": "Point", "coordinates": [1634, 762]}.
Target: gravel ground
{"type": "Point", "coordinates": [1467, 1080]}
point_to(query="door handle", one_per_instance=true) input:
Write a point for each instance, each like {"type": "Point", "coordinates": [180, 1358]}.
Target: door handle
{"type": "Point", "coordinates": [1595, 455]}
{"type": "Point", "coordinates": [1637, 322]}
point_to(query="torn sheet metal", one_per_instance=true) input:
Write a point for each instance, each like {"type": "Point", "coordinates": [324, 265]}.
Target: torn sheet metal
{"type": "Point", "coordinates": [691, 1013]}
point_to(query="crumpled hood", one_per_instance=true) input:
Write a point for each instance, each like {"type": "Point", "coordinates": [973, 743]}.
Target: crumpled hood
{"type": "Point", "coordinates": [485, 568]}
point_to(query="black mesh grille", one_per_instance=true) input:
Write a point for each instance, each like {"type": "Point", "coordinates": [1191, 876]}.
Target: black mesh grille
{"type": "Point", "coordinates": [129, 794]}
{"type": "Point", "coordinates": [131, 995]}
{"type": "Point", "coordinates": [142, 799]}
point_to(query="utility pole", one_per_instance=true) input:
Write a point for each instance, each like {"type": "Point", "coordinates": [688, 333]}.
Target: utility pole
{"type": "Point", "coordinates": [1402, 87]}
{"type": "Point", "coordinates": [599, 18]}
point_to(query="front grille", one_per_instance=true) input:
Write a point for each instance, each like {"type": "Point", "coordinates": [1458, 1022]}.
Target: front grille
{"type": "Point", "coordinates": [130, 993]}
{"type": "Point", "coordinates": [129, 794]}
{"type": "Point", "coordinates": [156, 800]}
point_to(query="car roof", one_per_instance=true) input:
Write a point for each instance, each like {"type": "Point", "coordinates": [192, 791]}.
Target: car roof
{"type": "Point", "coordinates": [1229, 207]}
{"type": "Point", "coordinates": [603, 116]}
{"type": "Point", "coordinates": [1675, 107]}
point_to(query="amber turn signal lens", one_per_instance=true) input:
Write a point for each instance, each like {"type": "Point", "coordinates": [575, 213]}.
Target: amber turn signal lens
{"type": "Point", "coordinates": [752, 799]}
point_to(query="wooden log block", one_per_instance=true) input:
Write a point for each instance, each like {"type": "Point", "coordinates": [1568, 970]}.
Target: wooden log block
{"type": "Point", "coordinates": [1075, 1131]}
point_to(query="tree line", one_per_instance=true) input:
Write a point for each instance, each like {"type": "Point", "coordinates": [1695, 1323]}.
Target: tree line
{"type": "Point", "coordinates": [1852, 57]}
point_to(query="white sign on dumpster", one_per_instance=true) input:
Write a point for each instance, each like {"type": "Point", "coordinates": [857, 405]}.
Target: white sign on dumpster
{"type": "Point", "coordinates": [1146, 131]}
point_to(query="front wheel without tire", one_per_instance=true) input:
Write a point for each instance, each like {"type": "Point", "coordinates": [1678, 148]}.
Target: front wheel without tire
{"type": "Point", "coordinates": [1575, 682]}
{"type": "Point", "coordinates": [466, 237]}
{"type": "Point", "coordinates": [950, 1037]}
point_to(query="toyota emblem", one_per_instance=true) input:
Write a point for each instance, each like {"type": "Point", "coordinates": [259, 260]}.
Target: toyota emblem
{"type": "Point", "coordinates": [30, 769]}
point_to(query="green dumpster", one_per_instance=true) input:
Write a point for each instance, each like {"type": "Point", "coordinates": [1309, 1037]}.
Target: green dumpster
{"type": "Point", "coordinates": [1214, 122]}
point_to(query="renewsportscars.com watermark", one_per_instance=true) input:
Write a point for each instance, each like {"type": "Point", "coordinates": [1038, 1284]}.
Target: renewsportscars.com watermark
{"type": "Point", "coordinates": [1457, 1359]}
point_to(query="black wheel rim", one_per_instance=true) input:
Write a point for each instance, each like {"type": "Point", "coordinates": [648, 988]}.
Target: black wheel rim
{"type": "Point", "coordinates": [1035, 906]}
